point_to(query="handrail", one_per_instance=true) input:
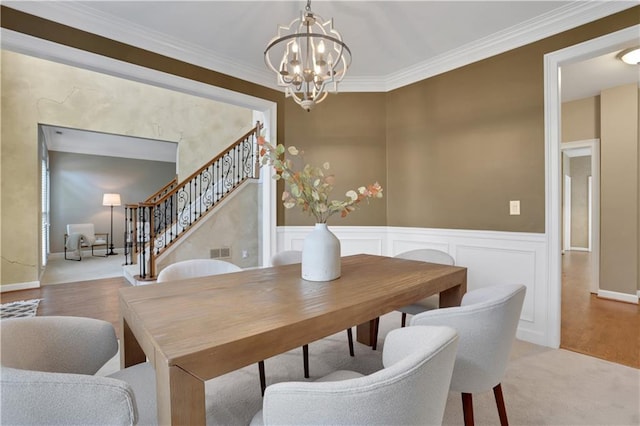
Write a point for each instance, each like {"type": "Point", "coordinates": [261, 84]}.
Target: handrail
{"type": "Point", "coordinates": [216, 158]}
{"type": "Point", "coordinates": [155, 225]}
{"type": "Point", "coordinates": [162, 191]}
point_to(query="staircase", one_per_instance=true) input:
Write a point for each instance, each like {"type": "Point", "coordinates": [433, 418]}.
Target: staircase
{"type": "Point", "coordinates": [163, 219]}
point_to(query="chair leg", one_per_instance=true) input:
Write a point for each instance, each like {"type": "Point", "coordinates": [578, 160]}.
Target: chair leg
{"type": "Point", "coordinates": [305, 360]}
{"type": "Point", "coordinates": [263, 380]}
{"type": "Point", "coordinates": [404, 319]}
{"type": "Point", "coordinates": [350, 339]}
{"type": "Point", "coordinates": [375, 323]}
{"type": "Point", "coordinates": [467, 409]}
{"type": "Point", "coordinates": [502, 411]}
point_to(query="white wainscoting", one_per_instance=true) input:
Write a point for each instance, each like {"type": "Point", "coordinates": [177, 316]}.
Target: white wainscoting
{"type": "Point", "coordinates": [491, 257]}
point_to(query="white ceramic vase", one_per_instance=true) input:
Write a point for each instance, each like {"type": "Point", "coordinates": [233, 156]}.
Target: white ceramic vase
{"type": "Point", "coordinates": [321, 255]}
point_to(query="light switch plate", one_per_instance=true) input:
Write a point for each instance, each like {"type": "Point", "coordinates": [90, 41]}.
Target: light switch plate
{"type": "Point", "coordinates": [514, 207]}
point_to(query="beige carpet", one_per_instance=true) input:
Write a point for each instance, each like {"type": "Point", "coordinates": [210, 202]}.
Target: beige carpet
{"type": "Point", "coordinates": [542, 386]}
{"type": "Point", "coordinates": [59, 270]}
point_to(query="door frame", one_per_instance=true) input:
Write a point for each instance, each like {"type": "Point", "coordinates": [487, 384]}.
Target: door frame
{"type": "Point", "coordinates": [593, 146]}
{"type": "Point", "coordinates": [552, 123]}
{"type": "Point", "coordinates": [566, 213]}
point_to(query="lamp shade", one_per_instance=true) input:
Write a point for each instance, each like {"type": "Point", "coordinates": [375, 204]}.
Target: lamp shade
{"type": "Point", "coordinates": [111, 200]}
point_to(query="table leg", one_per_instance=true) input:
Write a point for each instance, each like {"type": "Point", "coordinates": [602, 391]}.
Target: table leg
{"type": "Point", "coordinates": [453, 295]}
{"type": "Point", "coordinates": [131, 352]}
{"type": "Point", "coordinates": [364, 332]}
{"type": "Point", "coordinates": [181, 399]}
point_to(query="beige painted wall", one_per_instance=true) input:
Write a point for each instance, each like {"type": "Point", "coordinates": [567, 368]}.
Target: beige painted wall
{"type": "Point", "coordinates": [619, 190]}
{"type": "Point", "coordinates": [461, 145]}
{"type": "Point", "coordinates": [580, 172]}
{"type": "Point", "coordinates": [581, 119]}
{"type": "Point", "coordinates": [38, 91]}
{"type": "Point", "coordinates": [348, 131]}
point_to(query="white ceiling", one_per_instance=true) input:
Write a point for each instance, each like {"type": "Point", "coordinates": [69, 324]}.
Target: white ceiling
{"type": "Point", "coordinates": [393, 43]}
{"type": "Point", "coordinates": [94, 143]}
{"type": "Point", "coordinates": [590, 77]}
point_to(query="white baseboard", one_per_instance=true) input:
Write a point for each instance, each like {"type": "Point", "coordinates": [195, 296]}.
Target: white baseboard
{"type": "Point", "coordinates": [620, 297]}
{"type": "Point", "coordinates": [19, 286]}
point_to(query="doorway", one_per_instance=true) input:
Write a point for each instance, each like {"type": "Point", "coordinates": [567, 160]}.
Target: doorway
{"type": "Point", "coordinates": [264, 111]}
{"type": "Point", "coordinates": [581, 203]}
{"type": "Point", "coordinates": [552, 107]}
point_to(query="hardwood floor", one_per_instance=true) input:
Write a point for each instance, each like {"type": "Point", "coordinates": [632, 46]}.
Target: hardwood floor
{"type": "Point", "coordinates": [93, 299]}
{"type": "Point", "coordinates": [598, 327]}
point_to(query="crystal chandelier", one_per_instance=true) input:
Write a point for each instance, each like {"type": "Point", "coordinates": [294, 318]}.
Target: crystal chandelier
{"type": "Point", "coordinates": [309, 58]}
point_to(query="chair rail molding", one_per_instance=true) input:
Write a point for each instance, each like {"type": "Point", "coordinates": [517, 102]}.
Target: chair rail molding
{"type": "Point", "coordinates": [492, 258]}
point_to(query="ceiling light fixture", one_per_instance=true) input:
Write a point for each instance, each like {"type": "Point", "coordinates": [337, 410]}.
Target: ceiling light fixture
{"type": "Point", "coordinates": [630, 56]}
{"type": "Point", "coordinates": [310, 58]}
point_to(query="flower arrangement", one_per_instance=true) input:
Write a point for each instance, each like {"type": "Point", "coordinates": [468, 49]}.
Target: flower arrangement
{"type": "Point", "coordinates": [310, 187]}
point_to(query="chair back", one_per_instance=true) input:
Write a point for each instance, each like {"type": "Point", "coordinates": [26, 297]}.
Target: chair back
{"type": "Point", "coordinates": [411, 390]}
{"type": "Point", "coordinates": [193, 268]}
{"type": "Point", "coordinates": [486, 322]}
{"type": "Point", "coordinates": [43, 344]}
{"type": "Point", "coordinates": [43, 398]}
{"type": "Point", "coordinates": [427, 255]}
{"type": "Point", "coordinates": [286, 257]}
{"type": "Point", "coordinates": [86, 229]}
{"type": "Point", "coordinates": [47, 374]}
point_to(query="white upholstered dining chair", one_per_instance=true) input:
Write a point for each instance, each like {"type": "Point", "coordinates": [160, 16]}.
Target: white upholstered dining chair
{"type": "Point", "coordinates": [428, 303]}
{"type": "Point", "coordinates": [195, 268]}
{"type": "Point", "coordinates": [48, 375]}
{"type": "Point", "coordinates": [288, 257]}
{"type": "Point", "coordinates": [411, 389]}
{"type": "Point", "coordinates": [486, 322]}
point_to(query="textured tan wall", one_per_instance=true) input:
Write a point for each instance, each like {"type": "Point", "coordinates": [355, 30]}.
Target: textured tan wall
{"type": "Point", "coordinates": [231, 229]}
{"type": "Point", "coordinates": [38, 91]}
{"type": "Point", "coordinates": [581, 119]}
{"type": "Point", "coordinates": [619, 194]}
{"type": "Point", "coordinates": [580, 172]}
{"type": "Point", "coordinates": [348, 131]}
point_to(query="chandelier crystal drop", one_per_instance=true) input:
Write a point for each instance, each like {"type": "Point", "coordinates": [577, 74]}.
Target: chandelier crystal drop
{"type": "Point", "coordinates": [308, 57]}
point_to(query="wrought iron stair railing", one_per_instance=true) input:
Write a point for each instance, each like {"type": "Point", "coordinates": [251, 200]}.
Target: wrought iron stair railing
{"type": "Point", "coordinates": [164, 218]}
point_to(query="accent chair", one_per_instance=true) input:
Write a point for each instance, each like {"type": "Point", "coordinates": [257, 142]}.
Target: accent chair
{"type": "Point", "coordinates": [48, 367]}
{"type": "Point", "coordinates": [486, 322]}
{"type": "Point", "coordinates": [411, 389]}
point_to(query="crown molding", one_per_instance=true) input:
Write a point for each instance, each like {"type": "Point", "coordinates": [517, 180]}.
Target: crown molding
{"type": "Point", "coordinates": [562, 19]}
{"type": "Point", "coordinates": [90, 20]}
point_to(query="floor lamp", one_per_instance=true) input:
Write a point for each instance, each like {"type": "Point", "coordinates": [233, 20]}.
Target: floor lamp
{"type": "Point", "coordinates": [111, 200]}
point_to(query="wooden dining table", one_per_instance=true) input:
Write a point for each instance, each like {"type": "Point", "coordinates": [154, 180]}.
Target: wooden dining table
{"type": "Point", "coordinates": [196, 329]}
